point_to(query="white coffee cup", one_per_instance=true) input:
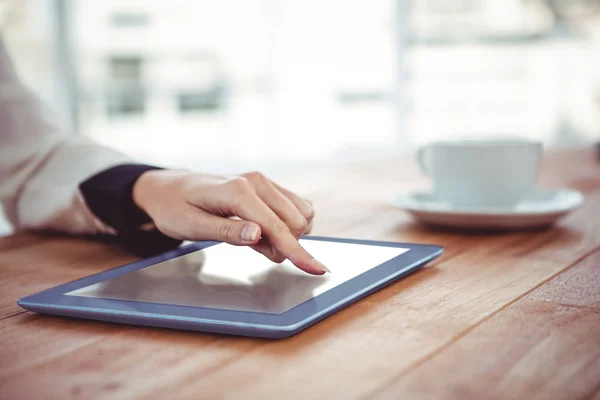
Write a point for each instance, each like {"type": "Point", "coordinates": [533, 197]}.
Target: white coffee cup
{"type": "Point", "coordinates": [482, 173]}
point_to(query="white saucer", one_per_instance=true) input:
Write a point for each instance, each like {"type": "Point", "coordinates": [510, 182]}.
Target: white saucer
{"type": "Point", "coordinates": [541, 208]}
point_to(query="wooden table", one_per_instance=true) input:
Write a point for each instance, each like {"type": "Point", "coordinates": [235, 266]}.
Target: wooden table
{"type": "Point", "coordinates": [512, 316]}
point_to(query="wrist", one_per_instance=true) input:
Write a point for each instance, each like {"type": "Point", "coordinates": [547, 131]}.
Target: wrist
{"type": "Point", "coordinates": [146, 184]}
{"type": "Point", "coordinates": [152, 185]}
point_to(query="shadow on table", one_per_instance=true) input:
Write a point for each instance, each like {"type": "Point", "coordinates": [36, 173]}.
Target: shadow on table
{"type": "Point", "coordinates": [552, 232]}
{"type": "Point", "coordinates": [351, 319]}
{"type": "Point", "coordinates": [421, 228]}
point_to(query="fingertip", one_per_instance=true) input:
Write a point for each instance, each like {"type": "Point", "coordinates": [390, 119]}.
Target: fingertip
{"type": "Point", "coordinates": [320, 266]}
{"type": "Point", "coordinates": [313, 267]}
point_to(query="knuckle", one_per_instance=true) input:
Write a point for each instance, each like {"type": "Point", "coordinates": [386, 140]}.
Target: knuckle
{"type": "Point", "coordinates": [279, 228]}
{"type": "Point", "coordinates": [226, 232]}
{"type": "Point", "coordinates": [310, 214]}
{"type": "Point", "coordinates": [299, 225]}
{"type": "Point", "coordinates": [255, 176]}
{"type": "Point", "coordinates": [239, 185]}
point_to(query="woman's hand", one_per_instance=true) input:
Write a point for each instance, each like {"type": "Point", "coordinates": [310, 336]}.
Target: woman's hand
{"type": "Point", "coordinates": [191, 206]}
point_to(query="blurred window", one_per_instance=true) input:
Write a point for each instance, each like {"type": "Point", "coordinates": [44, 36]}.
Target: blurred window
{"type": "Point", "coordinates": [126, 93]}
{"type": "Point", "coordinates": [126, 69]}
{"type": "Point", "coordinates": [273, 82]}
{"type": "Point", "coordinates": [129, 20]}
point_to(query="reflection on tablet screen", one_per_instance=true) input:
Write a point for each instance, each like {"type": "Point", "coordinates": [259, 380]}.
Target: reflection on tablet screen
{"type": "Point", "coordinates": [237, 278]}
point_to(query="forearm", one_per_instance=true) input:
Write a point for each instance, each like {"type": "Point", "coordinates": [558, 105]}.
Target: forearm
{"type": "Point", "coordinates": [40, 165]}
{"type": "Point", "coordinates": [49, 197]}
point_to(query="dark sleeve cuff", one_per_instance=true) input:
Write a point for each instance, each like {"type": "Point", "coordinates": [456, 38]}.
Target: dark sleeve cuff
{"type": "Point", "coordinates": [109, 195]}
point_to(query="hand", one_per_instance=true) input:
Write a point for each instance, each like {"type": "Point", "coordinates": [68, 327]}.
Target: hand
{"type": "Point", "coordinates": [191, 206]}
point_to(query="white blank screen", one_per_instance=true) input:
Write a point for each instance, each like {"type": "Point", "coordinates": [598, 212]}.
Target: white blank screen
{"type": "Point", "coordinates": [237, 278]}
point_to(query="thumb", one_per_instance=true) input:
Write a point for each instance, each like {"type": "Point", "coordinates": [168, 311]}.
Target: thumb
{"type": "Point", "coordinates": [236, 232]}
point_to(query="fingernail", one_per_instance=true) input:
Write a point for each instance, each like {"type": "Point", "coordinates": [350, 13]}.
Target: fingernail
{"type": "Point", "coordinates": [249, 233]}
{"type": "Point", "coordinates": [320, 265]}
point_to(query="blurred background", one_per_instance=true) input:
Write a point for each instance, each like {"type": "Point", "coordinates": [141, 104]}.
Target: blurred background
{"type": "Point", "coordinates": [232, 85]}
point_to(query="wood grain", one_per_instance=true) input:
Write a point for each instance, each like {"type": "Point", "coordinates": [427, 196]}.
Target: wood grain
{"type": "Point", "coordinates": [38, 262]}
{"type": "Point", "coordinates": [544, 346]}
{"type": "Point", "coordinates": [383, 334]}
{"type": "Point", "coordinates": [394, 342]}
{"type": "Point", "coordinates": [92, 360]}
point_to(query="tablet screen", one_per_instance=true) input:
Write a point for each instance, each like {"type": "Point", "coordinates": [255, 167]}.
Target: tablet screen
{"type": "Point", "coordinates": [237, 278]}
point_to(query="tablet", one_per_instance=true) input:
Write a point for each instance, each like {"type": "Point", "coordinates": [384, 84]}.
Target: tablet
{"type": "Point", "coordinates": [220, 288]}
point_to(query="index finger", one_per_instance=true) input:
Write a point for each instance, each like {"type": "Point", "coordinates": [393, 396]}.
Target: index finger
{"type": "Point", "coordinates": [252, 208]}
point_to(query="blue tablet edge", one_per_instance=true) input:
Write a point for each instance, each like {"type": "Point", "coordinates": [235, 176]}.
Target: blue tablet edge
{"type": "Point", "coordinates": [243, 328]}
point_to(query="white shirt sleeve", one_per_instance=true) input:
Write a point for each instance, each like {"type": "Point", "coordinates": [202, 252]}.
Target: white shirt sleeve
{"type": "Point", "coordinates": [41, 166]}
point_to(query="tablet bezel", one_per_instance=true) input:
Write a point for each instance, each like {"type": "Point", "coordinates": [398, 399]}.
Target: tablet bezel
{"type": "Point", "coordinates": [55, 301]}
